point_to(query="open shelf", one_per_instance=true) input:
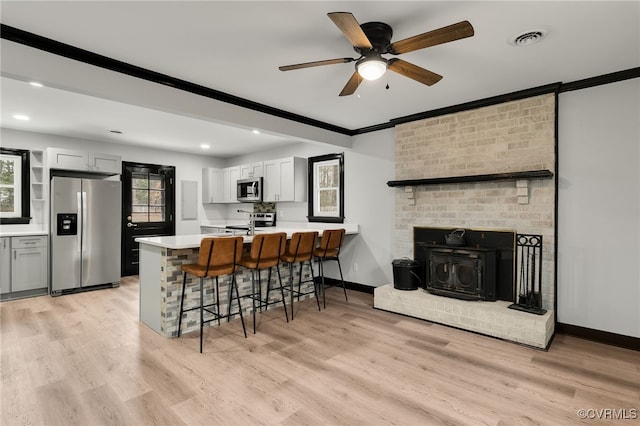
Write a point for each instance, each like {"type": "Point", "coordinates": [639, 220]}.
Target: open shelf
{"type": "Point", "coordinates": [532, 174]}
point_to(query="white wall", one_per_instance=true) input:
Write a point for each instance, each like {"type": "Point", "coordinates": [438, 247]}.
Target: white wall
{"type": "Point", "coordinates": [188, 166]}
{"type": "Point", "coordinates": [599, 208]}
{"type": "Point", "coordinates": [368, 201]}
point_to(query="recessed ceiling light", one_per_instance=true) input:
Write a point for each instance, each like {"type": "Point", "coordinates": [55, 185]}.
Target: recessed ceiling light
{"type": "Point", "coordinates": [529, 37]}
{"type": "Point", "coordinates": [205, 146]}
{"type": "Point", "coordinates": [21, 117]}
{"type": "Point", "coordinates": [256, 131]}
{"type": "Point", "coordinates": [35, 84]}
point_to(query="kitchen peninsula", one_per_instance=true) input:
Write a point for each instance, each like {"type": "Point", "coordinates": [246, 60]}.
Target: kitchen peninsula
{"type": "Point", "coordinates": [161, 277]}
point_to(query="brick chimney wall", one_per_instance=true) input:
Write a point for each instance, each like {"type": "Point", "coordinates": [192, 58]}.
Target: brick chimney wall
{"type": "Point", "coordinates": [509, 137]}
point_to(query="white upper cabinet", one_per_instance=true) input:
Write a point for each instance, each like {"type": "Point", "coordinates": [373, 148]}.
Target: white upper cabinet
{"type": "Point", "coordinates": [104, 163]}
{"type": "Point", "coordinates": [230, 176]}
{"type": "Point", "coordinates": [67, 159]}
{"type": "Point", "coordinates": [285, 179]}
{"type": "Point", "coordinates": [252, 170]}
{"type": "Point", "coordinates": [220, 185]}
{"type": "Point", "coordinates": [212, 186]}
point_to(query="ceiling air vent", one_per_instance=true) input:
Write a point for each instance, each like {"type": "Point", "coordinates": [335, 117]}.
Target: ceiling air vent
{"type": "Point", "coordinates": [528, 37]}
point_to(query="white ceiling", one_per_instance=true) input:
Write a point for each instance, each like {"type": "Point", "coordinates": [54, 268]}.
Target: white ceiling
{"type": "Point", "coordinates": [236, 47]}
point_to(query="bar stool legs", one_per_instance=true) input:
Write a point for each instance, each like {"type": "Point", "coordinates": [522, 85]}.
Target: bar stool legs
{"type": "Point", "coordinates": [299, 292]}
{"type": "Point", "coordinates": [217, 257]}
{"type": "Point", "coordinates": [321, 271]}
{"type": "Point", "coordinates": [264, 253]}
{"type": "Point", "coordinates": [184, 284]}
{"type": "Point", "coordinates": [329, 249]}
{"type": "Point", "coordinates": [256, 296]}
{"type": "Point", "coordinates": [204, 307]}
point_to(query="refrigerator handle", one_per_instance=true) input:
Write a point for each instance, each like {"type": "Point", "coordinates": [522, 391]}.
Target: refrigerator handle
{"type": "Point", "coordinates": [84, 221]}
{"type": "Point", "coordinates": [81, 218]}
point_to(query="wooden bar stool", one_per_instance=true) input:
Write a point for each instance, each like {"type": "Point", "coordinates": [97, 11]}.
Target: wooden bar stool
{"type": "Point", "coordinates": [300, 250]}
{"type": "Point", "coordinates": [265, 252]}
{"type": "Point", "coordinates": [329, 249]}
{"type": "Point", "coordinates": [218, 256]}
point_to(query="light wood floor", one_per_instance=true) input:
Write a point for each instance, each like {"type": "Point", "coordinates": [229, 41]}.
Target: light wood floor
{"type": "Point", "coordinates": [84, 359]}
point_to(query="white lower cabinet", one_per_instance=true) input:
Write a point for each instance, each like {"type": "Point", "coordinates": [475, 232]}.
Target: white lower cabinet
{"type": "Point", "coordinates": [5, 265]}
{"type": "Point", "coordinates": [27, 264]}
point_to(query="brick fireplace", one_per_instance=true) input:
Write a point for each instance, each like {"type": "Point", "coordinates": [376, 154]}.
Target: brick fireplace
{"type": "Point", "coordinates": [496, 141]}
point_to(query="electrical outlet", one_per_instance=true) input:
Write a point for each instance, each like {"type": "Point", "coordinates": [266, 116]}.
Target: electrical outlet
{"type": "Point", "coordinates": [281, 213]}
{"type": "Point", "coordinates": [355, 267]}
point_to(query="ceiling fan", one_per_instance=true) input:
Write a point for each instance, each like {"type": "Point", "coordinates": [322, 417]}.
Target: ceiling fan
{"type": "Point", "coordinates": [373, 39]}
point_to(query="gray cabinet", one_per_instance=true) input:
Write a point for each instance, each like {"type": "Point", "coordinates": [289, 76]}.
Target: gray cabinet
{"type": "Point", "coordinates": [28, 263]}
{"type": "Point", "coordinates": [5, 265]}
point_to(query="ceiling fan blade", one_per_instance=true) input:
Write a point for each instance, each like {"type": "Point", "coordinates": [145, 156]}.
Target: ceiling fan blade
{"type": "Point", "coordinates": [432, 38]}
{"type": "Point", "coordinates": [349, 26]}
{"type": "Point", "coordinates": [315, 64]}
{"type": "Point", "coordinates": [352, 84]}
{"type": "Point", "coordinates": [414, 72]}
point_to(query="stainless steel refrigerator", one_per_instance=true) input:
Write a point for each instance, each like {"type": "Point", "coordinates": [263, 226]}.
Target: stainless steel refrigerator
{"type": "Point", "coordinates": [85, 233]}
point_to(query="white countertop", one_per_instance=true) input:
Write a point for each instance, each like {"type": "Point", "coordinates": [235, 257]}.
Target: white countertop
{"type": "Point", "coordinates": [193, 240]}
{"type": "Point", "coordinates": [3, 233]}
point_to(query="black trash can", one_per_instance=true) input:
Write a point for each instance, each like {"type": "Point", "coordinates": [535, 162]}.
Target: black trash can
{"type": "Point", "coordinates": [406, 274]}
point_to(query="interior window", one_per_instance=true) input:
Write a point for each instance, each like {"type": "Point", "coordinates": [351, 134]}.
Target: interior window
{"type": "Point", "coordinates": [148, 197]}
{"type": "Point", "coordinates": [14, 186]}
{"type": "Point", "coordinates": [326, 188]}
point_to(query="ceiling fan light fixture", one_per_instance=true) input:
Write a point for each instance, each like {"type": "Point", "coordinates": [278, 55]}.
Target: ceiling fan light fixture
{"type": "Point", "coordinates": [371, 68]}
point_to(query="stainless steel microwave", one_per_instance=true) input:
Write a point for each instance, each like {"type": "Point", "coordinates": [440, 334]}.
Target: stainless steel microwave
{"type": "Point", "coordinates": [250, 190]}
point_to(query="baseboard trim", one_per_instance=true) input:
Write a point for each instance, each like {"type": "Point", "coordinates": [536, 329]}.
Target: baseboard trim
{"type": "Point", "coordinates": [363, 288]}
{"type": "Point", "coordinates": [627, 342]}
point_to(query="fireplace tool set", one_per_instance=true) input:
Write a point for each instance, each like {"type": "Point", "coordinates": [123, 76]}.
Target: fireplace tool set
{"type": "Point", "coordinates": [529, 264]}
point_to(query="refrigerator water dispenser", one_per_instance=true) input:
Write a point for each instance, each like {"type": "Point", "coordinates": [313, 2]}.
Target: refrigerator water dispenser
{"type": "Point", "coordinates": [67, 224]}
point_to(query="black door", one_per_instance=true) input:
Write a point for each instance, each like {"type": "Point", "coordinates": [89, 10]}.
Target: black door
{"type": "Point", "coordinates": [148, 206]}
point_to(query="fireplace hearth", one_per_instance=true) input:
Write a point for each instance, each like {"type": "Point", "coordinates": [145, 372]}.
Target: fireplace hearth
{"type": "Point", "coordinates": [466, 274]}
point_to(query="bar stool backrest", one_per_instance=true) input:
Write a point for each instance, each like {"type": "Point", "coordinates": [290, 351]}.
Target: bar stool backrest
{"type": "Point", "coordinates": [330, 243]}
{"type": "Point", "coordinates": [218, 255]}
{"type": "Point", "coordinates": [301, 247]}
{"type": "Point", "coordinates": [266, 249]}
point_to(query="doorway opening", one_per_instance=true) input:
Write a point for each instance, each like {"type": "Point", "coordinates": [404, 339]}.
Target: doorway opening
{"type": "Point", "coordinates": [148, 208]}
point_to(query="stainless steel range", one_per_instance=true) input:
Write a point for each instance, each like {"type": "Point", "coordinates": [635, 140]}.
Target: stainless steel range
{"type": "Point", "coordinates": [259, 220]}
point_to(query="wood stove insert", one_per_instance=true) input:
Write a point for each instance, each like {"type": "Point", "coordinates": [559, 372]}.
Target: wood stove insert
{"type": "Point", "coordinates": [481, 270]}
{"type": "Point", "coordinates": [468, 274]}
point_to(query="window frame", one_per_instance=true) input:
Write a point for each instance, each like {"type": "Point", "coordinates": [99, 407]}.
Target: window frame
{"type": "Point", "coordinates": [25, 189]}
{"type": "Point", "coordinates": [317, 161]}
{"type": "Point", "coordinates": [149, 207]}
